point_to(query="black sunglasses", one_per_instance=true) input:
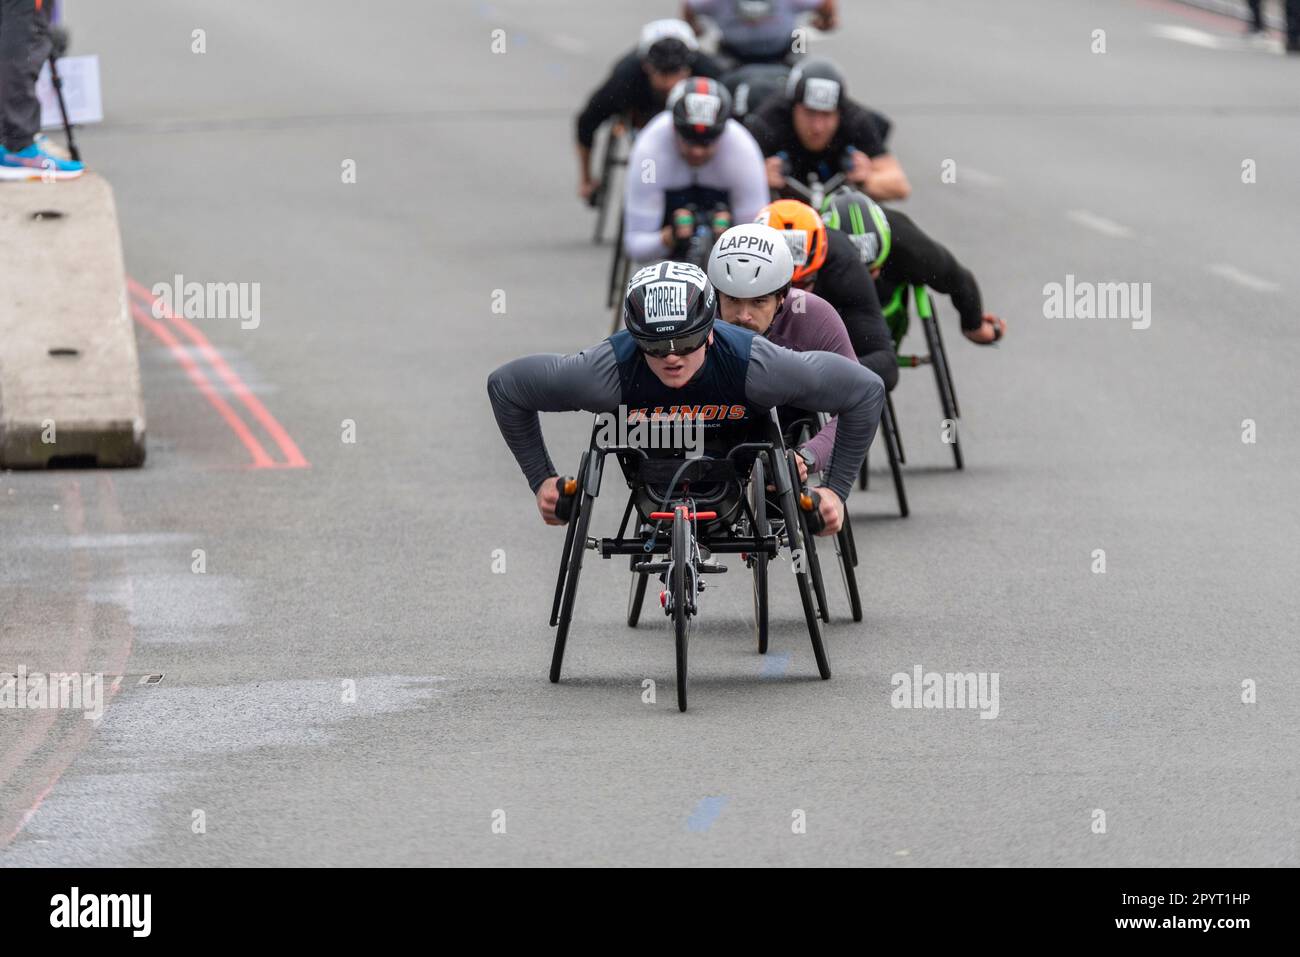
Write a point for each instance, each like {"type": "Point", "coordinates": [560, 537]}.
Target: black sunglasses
{"type": "Point", "coordinates": [661, 348]}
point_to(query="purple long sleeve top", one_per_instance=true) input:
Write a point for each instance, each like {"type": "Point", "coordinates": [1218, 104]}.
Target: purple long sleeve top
{"type": "Point", "coordinates": [808, 323]}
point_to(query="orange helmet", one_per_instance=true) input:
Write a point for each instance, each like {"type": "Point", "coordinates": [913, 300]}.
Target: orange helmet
{"type": "Point", "coordinates": [803, 230]}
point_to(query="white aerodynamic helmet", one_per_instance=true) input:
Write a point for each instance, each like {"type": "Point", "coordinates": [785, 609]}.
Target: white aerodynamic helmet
{"type": "Point", "coordinates": [657, 30]}
{"type": "Point", "coordinates": [749, 261]}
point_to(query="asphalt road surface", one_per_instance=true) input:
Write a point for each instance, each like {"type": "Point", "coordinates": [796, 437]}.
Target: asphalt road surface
{"type": "Point", "coordinates": [349, 681]}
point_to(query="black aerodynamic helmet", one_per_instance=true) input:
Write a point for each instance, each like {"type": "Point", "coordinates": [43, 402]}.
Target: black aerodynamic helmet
{"type": "Point", "coordinates": [700, 108]}
{"type": "Point", "coordinates": [667, 45]}
{"type": "Point", "coordinates": [669, 307]}
{"type": "Point", "coordinates": [752, 84]}
{"type": "Point", "coordinates": [859, 217]}
{"type": "Point", "coordinates": [817, 84]}
{"type": "Point", "coordinates": [668, 56]}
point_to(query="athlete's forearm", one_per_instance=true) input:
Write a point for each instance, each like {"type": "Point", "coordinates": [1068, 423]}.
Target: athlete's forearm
{"type": "Point", "coordinates": [965, 293]}
{"type": "Point", "coordinates": [645, 245]}
{"type": "Point", "coordinates": [520, 389]}
{"type": "Point", "coordinates": [887, 181]}
{"type": "Point", "coordinates": [643, 219]}
{"type": "Point", "coordinates": [820, 445]}
{"type": "Point", "coordinates": [603, 104]}
{"type": "Point", "coordinates": [751, 192]}
{"type": "Point", "coordinates": [584, 163]}
{"type": "Point", "coordinates": [944, 274]}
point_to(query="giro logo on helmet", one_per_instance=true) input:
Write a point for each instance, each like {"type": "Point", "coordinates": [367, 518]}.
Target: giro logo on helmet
{"type": "Point", "coordinates": [665, 302]}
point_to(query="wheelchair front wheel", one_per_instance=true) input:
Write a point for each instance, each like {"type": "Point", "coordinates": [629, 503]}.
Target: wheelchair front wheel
{"type": "Point", "coordinates": [678, 583]}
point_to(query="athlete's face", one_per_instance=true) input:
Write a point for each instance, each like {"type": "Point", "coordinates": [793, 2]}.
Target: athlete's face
{"type": "Point", "coordinates": [696, 154]}
{"type": "Point", "coordinates": [675, 371]}
{"type": "Point", "coordinates": [754, 314]}
{"type": "Point", "coordinates": [815, 128]}
{"type": "Point", "coordinates": [663, 83]}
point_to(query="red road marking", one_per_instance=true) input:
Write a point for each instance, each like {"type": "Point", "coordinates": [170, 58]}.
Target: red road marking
{"type": "Point", "coordinates": [64, 750]}
{"type": "Point", "coordinates": [200, 380]}
{"type": "Point", "coordinates": [143, 307]}
{"type": "Point", "coordinates": [39, 726]}
{"type": "Point", "coordinates": [1208, 17]}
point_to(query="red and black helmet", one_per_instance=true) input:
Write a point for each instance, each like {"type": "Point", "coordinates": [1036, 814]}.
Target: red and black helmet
{"type": "Point", "coordinates": [700, 108]}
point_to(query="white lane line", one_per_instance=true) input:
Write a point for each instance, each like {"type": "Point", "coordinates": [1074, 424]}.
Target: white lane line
{"type": "Point", "coordinates": [1188, 35]}
{"type": "Point", "coordinates": [1233, 274]}
{"type": "Point", "coordinates": [1107, 227]}
{"type": "Point", "coordinates": [567, 43]}
{"type": "Point", "coordinates": [1200, 38]}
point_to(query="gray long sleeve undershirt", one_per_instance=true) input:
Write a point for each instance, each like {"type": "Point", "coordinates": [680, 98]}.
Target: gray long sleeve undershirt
{"type": "Point", "coordinates": [588, 381]}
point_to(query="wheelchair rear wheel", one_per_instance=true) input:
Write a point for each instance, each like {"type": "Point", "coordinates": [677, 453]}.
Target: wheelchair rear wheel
{"type": "Point", "coordinates": [794, 536]}
{"type": "Point", "coordinates": [844, 553]}
{"type": "Point", "coordinates": [810, 553]}
{"type": "Point", "coordinates": [577, 549]}
{"type": "Point", "coordinates": [758, 560]}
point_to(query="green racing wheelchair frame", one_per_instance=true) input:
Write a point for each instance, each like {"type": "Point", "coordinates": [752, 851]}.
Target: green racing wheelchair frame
{"type": "Point", "coordinates": [898, 318]}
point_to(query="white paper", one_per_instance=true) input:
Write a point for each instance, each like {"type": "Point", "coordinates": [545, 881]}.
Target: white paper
{"type": "Point", "coordinates": [81, 92]}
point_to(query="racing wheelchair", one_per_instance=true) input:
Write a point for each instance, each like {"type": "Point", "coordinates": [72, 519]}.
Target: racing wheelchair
{"type": "Point", "coordinates": [818, 194]}
{"type": "Point", "coordinates": [898, 318]}
{"type": "Point", "coordinates": [798, 428]}
{"type": "Point", "coordinates": [681, 512]}
{"type": "Point", "coordinates": [617, 145]}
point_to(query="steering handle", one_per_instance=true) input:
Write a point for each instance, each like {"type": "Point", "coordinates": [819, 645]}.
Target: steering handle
{"type": "Point", "coordinates": [568, 488]}
{"type": "Point", "coordinates": [810, 501]}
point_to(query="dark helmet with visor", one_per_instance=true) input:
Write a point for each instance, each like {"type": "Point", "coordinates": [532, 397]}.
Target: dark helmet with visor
{"type": "Point", "coordinates": [669, 308]}
{"type": "Point", "coordinates": [864, 222]}
{"type": "Point", "coordinates": [700, 108]}
{"type": "Point", "coordinates": [817, 84]}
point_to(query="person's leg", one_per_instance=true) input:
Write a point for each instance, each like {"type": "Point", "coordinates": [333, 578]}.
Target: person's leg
{"type": "Point", "coordinates": [24, 47]}
{"type": "Point", "coordinates": [883, 362]}
{"type": "Point", "coordinates": [1293, 25]}
{"type": "Point", "coordinates": [1256, 15]}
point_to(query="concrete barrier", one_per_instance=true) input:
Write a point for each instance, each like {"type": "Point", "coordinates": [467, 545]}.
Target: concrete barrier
{"type": "Point", "coordinates": [69, 372]}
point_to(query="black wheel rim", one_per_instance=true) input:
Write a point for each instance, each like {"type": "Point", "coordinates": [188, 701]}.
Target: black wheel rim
{"type": "Point", "coordinates": [681, 619]}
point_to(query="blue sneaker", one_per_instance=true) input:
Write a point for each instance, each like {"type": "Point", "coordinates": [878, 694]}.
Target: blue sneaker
{"type": "Point", "coordinates": [37, 163]}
